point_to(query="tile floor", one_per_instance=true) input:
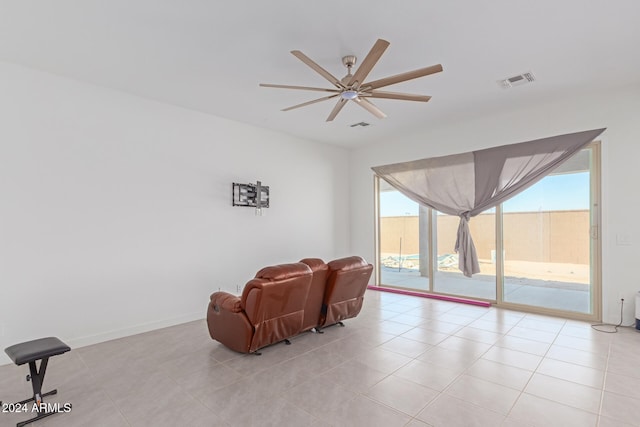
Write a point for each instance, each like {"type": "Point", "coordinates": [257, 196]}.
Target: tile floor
{"type": "Point", "coordinates": [404, 361]}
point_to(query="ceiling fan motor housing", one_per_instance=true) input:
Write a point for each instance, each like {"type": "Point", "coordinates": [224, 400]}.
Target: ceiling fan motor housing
{"type": "Point", "coordinates": [349, 61]}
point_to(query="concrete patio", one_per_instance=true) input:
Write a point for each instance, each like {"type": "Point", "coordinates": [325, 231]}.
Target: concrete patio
{"type": "Point", "coordinates": [551, 294]}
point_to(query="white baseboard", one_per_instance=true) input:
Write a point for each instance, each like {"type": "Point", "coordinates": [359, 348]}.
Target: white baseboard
{"type": "Point", "coordinates": [133, 330]}
{"type": "Point", "coordinates": [121, 333]}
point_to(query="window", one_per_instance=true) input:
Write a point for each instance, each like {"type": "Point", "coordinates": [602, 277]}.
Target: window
{"type": "Point", "coordinates": [539, 250]}
{"type": "Point", "coordinates": [403, 240]}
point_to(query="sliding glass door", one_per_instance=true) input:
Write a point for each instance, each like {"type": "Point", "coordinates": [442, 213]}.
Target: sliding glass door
{"type": "Point", "coordinates": [549, 235]}
{"type": "Point", "coordinates": [403, 240]}
{"type": "Point", "coordinates": [540, 250]}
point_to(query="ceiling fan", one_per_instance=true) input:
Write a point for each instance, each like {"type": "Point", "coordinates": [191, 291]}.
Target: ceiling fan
{"type": "Point", "coordinates": [353, 87]}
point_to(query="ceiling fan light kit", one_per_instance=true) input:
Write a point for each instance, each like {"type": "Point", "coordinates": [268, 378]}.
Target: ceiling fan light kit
{"type": "Point", "coordinates": [349, 94]}
{"type": "Point", "coordinates": [353, 87]}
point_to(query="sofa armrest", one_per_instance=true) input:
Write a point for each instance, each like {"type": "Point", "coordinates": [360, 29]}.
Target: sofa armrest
{"type": "Point", "coordinates": [225, 301]}
{"type": "Point", "coordinates": [228, 323]}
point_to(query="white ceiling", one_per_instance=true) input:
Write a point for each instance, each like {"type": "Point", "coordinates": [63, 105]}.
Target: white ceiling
{"type": "Point", "coordinates": [210, 55]}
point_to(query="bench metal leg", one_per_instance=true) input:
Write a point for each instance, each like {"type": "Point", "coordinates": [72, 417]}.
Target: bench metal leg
{"type": "Point", "coordinates": [36, 376]}
{"type": "Point", "coordinates": [40, 415]}
{"type": "Point", "coordinates": [31, 399]}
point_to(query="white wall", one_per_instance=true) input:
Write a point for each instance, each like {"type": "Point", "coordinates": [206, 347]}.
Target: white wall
{"type": "Point", "coordinates": [116, 216]}
{"type": "Point", "coordinates": [618, 111]}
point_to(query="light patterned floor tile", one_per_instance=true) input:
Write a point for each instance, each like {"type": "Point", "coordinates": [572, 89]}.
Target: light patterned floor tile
{"type": "Point", "coordinates": [579, 357]}
{"type": "Point", "coordinates": [479, 335]}
{"type": "Point", "coordinates": [428, 374]}
{"type": "Point", "coordinates": [565, 392]}
{"type": "Point", "coordinates": [514, 358]}
{"type": "Point", "coordinates": [572, 372]}
{"type": "Point", "coordinates": [547, 413]}
{"type": "Point", "coordinates": [499, 373]}
{"type": "Point", "coordinates": [404, 361]}
{"type": "Point", "coordinates": [448, 411]}
{"type": "Point", "coordinates": [402, 395]}
{"type": "Point", "coordinates": [621, 408]}
{"type": "Point", "coordinates": [486, 394]}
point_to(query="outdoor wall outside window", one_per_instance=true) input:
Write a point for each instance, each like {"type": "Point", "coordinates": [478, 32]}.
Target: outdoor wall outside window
{"type": "Point", "coordinates": [545, 256]}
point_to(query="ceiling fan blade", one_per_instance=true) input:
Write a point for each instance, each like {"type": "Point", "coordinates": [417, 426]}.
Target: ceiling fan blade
{"type": "Point", "coordinates": [410, 75]}
{"type": "Point", "coordinates": [396, 95]}
{"type": "Point", "coordinates": [368, 105]}
{"type": "Point", "coordinates": [319, 89]}
{"type": "Point", "coordinates": [336, 109]}
{"type": "Point", "coordinates": [304, 104]}
{"type": "Point", "coordinates": [318, 69]}
{"type": "Point", "coordinates": [369, 62]}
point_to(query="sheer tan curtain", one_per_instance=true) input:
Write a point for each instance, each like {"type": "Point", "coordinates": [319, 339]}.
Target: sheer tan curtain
{"type": "Point", "coordinates": [467, 184]}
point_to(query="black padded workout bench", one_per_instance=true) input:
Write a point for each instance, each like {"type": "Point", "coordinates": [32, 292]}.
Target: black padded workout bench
{"type": "Point", "coordinates": [30, 352]}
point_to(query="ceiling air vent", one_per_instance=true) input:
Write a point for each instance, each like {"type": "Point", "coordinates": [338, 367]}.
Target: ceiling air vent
{"type": "Point", "coordinates": [363, 124]}
{"type": "Point", "coordinates": [518, 80]}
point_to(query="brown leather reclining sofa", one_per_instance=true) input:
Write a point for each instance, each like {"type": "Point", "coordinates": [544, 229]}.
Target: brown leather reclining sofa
{"type": "Point", "coordinates": [284, 300]}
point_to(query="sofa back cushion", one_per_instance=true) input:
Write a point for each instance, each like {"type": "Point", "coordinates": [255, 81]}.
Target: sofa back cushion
{"type": "Point", "coordinates": [346, 285]}
{"type": "Point", "coordinates": [274, 302]}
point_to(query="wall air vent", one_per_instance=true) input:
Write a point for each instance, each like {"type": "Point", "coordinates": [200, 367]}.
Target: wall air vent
{"type": "Point", "coordinates": [518, 80]}
{"type": "Point", "coordinates": [363, 124]}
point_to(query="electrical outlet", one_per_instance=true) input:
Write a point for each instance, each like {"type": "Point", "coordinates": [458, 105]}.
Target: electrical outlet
{"type": "Point", "coordinates": [238, 288]}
